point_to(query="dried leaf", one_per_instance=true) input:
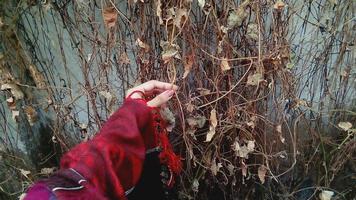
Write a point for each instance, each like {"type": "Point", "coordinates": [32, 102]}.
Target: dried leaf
{"type": "Point", "coordinates": [180, 17]}
{"type": "Point", "coordinates": [11, 103]}
{"type": "Point", "coordinates": [251, 145]}
{"type": "Point", "coordinates": [124, 58]}
{"type": "Point", "coordinates": [279, 5]}
{"type": "Point", "coordinates": [252, 32]}
{"type": "Point", "coordinates": [231, 169]}
{"type": "Point", "coordinates": [244, 150]}
{"type": "Point", "coordinates": [107, 95]}
{"type": "Point", "coordinates": [215, 168]}
{"type": "Point", "coordinates": [213, 124]}
{"type": "Point", "coordinates": [25, 173]}
{"type": "Point", "coordinates": [188, 64]}
{"type": "Point", "coordinates": [159, 11]}
{"type": "Point", "coordinates": [213, 119]}
{"type": "Point", "coordinates": [203, 91]}
{"type": "Point", "coordinates": [195, 185]}
{"type": "Point", "coordinates": [254, 79]}
{"type": "Point", "coordinates": [243, 169]}
{"type": "Point", "coordinates": [345, 125]}
{"type": "Point", "coordinates": [110, 16]}
{"type": "Point", "coordinates": [142, 45]}
{"type": "Point", "coordinates": [31, 115]}
{"type": "Point", "coordinates": [15, 114]}
{"type": "Point", "coordinates": [47, 171]}
{"type": "Point", "coordinates": [237, 16]}
{"type": "Point", "coordinates": [279, 128]}
{"type": "Point", "coordinates": [326, 195]}
{"type": "Point", "coordinates": [201, 3]}
{"type": "Point", "coordinates": [198, 121]}
{"type": "Point", "coordinates": [262, 170]}
{"type": "Point", "coordinates": [15, 90]}
{"type": "Point", "coordinates": [190, 107]}
{"type": "Point", "coordinates": [169, 51]}
{"type": "Point", "coordinates": [225, 65]}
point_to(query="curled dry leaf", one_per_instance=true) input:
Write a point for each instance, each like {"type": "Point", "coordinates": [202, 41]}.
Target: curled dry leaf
{"type": "Point", "coordinates": [11, 103]}
{"type": "Point", "coordinates": [215, 167]}
{"type": "Point", "coordinates": [15, 115]}
{"type": "Point", "coordinates": [195, 185]}
{"type": "Point", "coordinates": [188, 64]}
{"type": "Point", "coordinates": [326, 195]}
{"type": "Point", "coordinates": [213, 124]}
{"type": "Point", "coordinates": [142, 45]}
{"type": "Point", "coordinates": [31, 115]}
{"type": "Point", "coordinates": [252, 32]}
{"type": "Point", "coordinates": [244, 150]}
{"type": "Point", "coordinates": [47, 171]}
{"type": "Point", "coordinates": [196, 122]}
{"type": "Point", "coordinates": [345, 125]}
{"type": "Point", "coordinates": [225, 65]}
{"type": "Point", "coordinates": [243, 169]}
{"type": "Point", "coordinates": [124, 58]}
{"type": "Point", "coordinates": [159, 11]}
{"type": "Point", "coordinates": [262, 170]}
{"type": "Point", "coordinates": [254, 79]}
{"type": "Point", "coordinates": [201, 3]}
{"type": "Point", "coordinates": [14, 89]}
{"type": "Point", "coordinates": [110, 16]}
{"type": "Point", "coordinates": [180, 17]}
{"type": "Point", "coordinates": [279, 5]}
{"type": "Point", "coordinates": [169, 51]}
{"type": "Point", "coordinates": [25, 173]}
{"type": "Point", "coordinates": [237, 17]}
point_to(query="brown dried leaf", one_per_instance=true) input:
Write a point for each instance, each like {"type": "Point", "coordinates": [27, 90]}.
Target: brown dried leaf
{"type": "Point", "coordinates": [124, 58]}
{"type": "Point", "coordinates": [110, 16]}
{"type": "Point", "coordinates": [345, 125]}
{"type": "Point", "coordinates": [188, 64]}
{"type": "Point", "coordinates": [213, 124]}
{"type": "Point", "coordinates": [279, 5]}
{"type": "Point", "coordinates": [142, 45]}
{"type": "Point", "coordinates": [254, 79]}
{"type": "Point", "coordinates": [224, 65]}
{"type": "Point", "coordinates": [215, 168]}
{"type": "Point", "coordinates": [180, 17]}
{"type": "Point", "coordinates": [25, 173]}
{"type": "Point", "coordinates": [170, 51]}
{"type": "Point", "coordinates": [11, 103]}
{"type": "Point", "coordinates": [262, 170]}
{"type": "Point", "coordinates": [31, 115]}
{"type": "Point", "coordinates": [15, 114]}
{"type": "Point", "coordinates": [15, 90]}
{"type": "Point", "coordinates": [159, 11]}
{"type": "Point", "coordinates": [47, 171]}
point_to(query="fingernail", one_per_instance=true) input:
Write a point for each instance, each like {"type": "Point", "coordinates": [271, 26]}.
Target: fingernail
{"type": "Point", "coordinates": [169, 92]}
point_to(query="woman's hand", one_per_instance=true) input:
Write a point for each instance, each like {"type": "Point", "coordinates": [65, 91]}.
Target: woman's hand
{"type": "Point", "coordinates": [164, 90]}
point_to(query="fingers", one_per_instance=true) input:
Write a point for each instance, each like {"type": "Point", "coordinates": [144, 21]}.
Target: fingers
{"type": "Point", "coordinates": [161, 98]}
{"type": "Point", "coordinates": [151, 85]}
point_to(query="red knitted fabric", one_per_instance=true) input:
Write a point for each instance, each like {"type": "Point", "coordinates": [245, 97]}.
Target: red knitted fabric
{"type": "Point", "coordinates": [112, 161]}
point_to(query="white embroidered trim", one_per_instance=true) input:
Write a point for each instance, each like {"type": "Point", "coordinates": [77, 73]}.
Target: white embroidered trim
{"type": "Point", "coordinates": [72, 188]}
{"type": "Point", "coordinates": [129, 191]}
{"type": "Point", "coordinates": [155, 149]}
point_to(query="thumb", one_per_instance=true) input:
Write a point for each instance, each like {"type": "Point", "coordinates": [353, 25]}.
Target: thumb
{"type": "Point", "coordinates": [161, 98]}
